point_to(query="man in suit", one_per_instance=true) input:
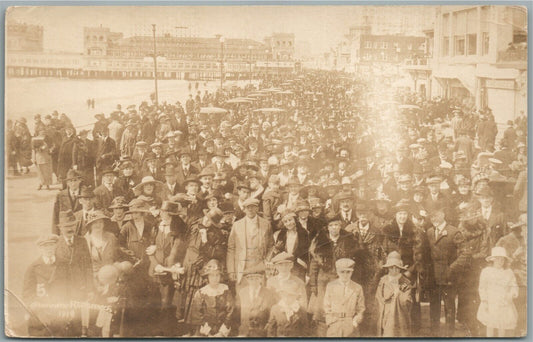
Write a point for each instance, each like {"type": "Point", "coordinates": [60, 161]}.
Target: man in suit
{"type": "Point", "coordinates": [346, 213]}
{"type": "Point", "coordinates": [243, 193]}
{"type": "Point", "coordinates": [105, 192]}
{"type": "Point", "coordinates": [435, 198]}
{"type": "Point", "coordinates": [344, 302]}
{"type": "Point", "coordinates": [67, 199]}
{"type": "Point", "coordinates": [171, 186]}
{"type": "Point", "coordinates": [249, 242]}
{"type": "Point", "coordinates": [151, 167]}
{"type": "Point", "coordinates": [491, 215]}
{"type": "Point", "coordinates": [106, 151]}
{"type": "Point", "coordinates": [87, 200]}
{"type": "Point", "coordinates": [449, 260]}
{"type": "Point", "coordinates": [185, 169]}
{"type": "Point", "coordinates": [64, 161]}
{"type": "Point", "coordinates": [284, 263]}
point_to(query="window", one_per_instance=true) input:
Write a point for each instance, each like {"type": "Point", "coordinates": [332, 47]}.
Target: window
{"type": "Point", "coordinates": [368, 45]}
{"type": "Point", "coordinates": [385, 45]}
{"type": "Point", "coordinates": [445, 46]}
{"type": "Point", "coordinates": [485, 42]}
{"type": "Point", "coordinates": [472, 44]}
{"type": "Point", "coordinates": [410, 47]}
{"type": "Point", "coordinates": [459, 45]}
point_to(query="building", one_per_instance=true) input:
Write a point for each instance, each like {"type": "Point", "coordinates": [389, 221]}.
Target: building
{"type": "Point", "coordinates": [23, 37]}
{"type": "Point", "coordinates": [396, 20]}
{"type": "Point", "coordinates": [480, 55]}
{"type": "Point", "coordinates": [108, 54]}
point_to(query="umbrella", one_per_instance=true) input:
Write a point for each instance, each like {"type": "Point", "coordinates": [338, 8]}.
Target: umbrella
{"type": "Point", "coordinates": [238, 100]}
{"type": "Point", "coordinates": [257, 95]}
{"type": "Point", "coordinates": [408, 107]}
{"type": "Point", "coordinates": [213, 110]}
{"type": "Point", "coordinates": [269, 110]}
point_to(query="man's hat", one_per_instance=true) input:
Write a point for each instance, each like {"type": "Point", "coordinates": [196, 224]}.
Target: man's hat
{"type": "Point", "coordinates": [119, 202]}
{"type": "Point", "coordinates": [73, 174]}
{"type": "Point", "coordinates": [207, 172]}
{"type": "Point", "coordinates": [405, 178]}
{"type": "Point", "coordinates": [484, 191]}
{"type": "Point", "coordinates": [171, 207]}
{"type": "Point", "coordinates": [245, 185]}
{"type": "Point", "coordinates": [109, 171]}
{"type": "Point", "coordinates": [141, 144]}
{"type": "Point", "coordinates": [282, 257]}
{"type": "Point", "coordinates": [315, 202]}
{"type": "Point", "coordinates": [138, 206]}
{"type": "Point", "coordinates": [251, 201]}
{"type": "Point", "coordinates": [67, 219]}
{"type": "Point", "coordinates": [215, 215]}
{"type": "Point", "coordinates": [344, 264]}
{"type": "Point", "coordinates": [86, 192]}
{"type": "Point", "coordinates": [191, 179]}
{"type": "Point", "coordinates": [402, 205]}
{"type": "Point", "coordinates": [99, 116]}
{"type": "Point", "coordinates": [47, 239]}
{"type": "Point", "coordinates": [156, 144]}
{"type": "Point", "coordinates": [150, 156]}
{"type": "Point", "coordinates": [434, 180]}
{"type": "Point", "coordinates": [345, 195]}
{"type": "Point", "coordinates": [302, 205]}
{"type": "Point", "coordinates": [363, 206]}
{"type": "Point", "coordinates": [226, 207]}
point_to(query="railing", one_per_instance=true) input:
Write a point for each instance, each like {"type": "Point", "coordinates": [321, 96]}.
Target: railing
{"type": "Point", "coordinates": [512, 55]}
{"type": "Point", "coordinates": [421, 61]}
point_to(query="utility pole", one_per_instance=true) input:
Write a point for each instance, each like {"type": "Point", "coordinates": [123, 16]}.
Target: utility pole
{"type": "Point", "coordinates": [221, 62]}
{"type": "Point", "coordinates": [155, 66]}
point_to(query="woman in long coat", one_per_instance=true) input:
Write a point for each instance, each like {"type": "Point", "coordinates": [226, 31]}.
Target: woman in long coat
{"type": "Point", "coordinates": [43, 160]}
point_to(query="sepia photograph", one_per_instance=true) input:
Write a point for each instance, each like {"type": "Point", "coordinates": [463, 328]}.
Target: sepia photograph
{"type": "Point", "coordinates": [237, 171]}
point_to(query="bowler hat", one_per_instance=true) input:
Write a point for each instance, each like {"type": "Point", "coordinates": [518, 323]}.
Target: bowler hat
{"type": "Point", "coordinates": [47, 239]}
{"type": "Point", "coordinates": [73, 174]}
{"type": "Point", "coordinates": [171, 207]}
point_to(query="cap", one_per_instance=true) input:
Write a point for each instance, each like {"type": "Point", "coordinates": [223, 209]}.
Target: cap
{"type": "Point", "coordinates": [344, 264]}
{"type": "Point", "coordinates": [251, 201]}
{"type": "Point", "coordinates": [47, 239]}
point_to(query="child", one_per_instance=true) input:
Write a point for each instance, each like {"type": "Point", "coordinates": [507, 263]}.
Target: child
{"type": "Point", "coordinates": [344, 302]}
{"type": "Point", "coordinates": [394, 299]}
{"type": "Point", "coordinates": [212, 305]}
{"type": "Point", "coordinates": [497, 288]}
{"type": "Point", "coordinates": [288, 318]}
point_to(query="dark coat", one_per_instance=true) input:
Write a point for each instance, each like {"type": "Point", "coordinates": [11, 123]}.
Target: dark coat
{"type": "Point", "coordinates": [279, 326]}
{"type": "Point", "coordinates": [65, 161]}
{"type": "Point", "coordinates": [43, 283]}
{"type": "Point", "coordinates": [447, 255]}
{"type": "Point", "coordinates": [405, 244]}
{"type": "Point", "coordinates": [78, 265]}
{"type": "Point", "coordinates": [106, 153]}
{"type": "Point", "coordinates": [301, 250]}
{"type": "Point", "coordinates": [104, 197]}
{"type": "Point", "coordinates": [63, 202]}
{"type": "Point", "coordinates": [314, 226]}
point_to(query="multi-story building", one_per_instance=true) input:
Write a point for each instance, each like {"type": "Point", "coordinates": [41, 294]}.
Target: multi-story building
{"type": "Point", "coordinates": [480, 55]}
{"type": "Point", "coordinates": [396, 20]}
{"type": "Point", "coordinates": [108, 54]}
{"type": "Point", "coordinates": [23, 37]}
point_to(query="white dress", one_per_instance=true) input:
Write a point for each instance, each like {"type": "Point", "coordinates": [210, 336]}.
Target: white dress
{"type": "Point", "coordinates": [497, 288]}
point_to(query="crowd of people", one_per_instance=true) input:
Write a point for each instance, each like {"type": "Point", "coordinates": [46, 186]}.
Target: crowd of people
{"type": "Point", "coordinates": [297, 208]}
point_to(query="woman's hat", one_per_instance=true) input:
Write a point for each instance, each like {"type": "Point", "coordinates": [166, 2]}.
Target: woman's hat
{"type": "Point", "coordinates": [497, 252]}
{"type": "Point", "coordinates": [394, 259]}
{"type": "Point", "coordinates": [95, 216]}
{"type": "Point", "coordinates": [215, 215]}
{"type": "Point", "coordinates": [119, 202]}
{"type": "Point", "coordinates": [212, 266]}
{"type": "Point", "coordinates": [145, 181]}
{"type": "Point", "coordinates": [171, 207]}
{"type": "Point", "coordinates": [138, 206]}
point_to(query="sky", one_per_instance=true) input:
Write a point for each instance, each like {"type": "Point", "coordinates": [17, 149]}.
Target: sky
{"type": "Point", "coordinates": [321, 26]}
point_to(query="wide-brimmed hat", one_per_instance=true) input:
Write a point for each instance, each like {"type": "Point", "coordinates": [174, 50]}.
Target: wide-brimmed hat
{"type": "Point", "coordinates": [145, 181]}
{"type": "Point", "coordinates": [95, 216]}
{"type": "Point", "coordinates": [282, 257]}
{"type": "Point", "coordinates": [206, 172]}
{"type": "Point", "coordinates": [67, 219]}
{"type": "Point", "coordinates": [171, 208]}
{"type": "Point", "coordinates": [119, 202]}
{"type": "Point", "coordinates": [394, 259]}
{"type": "Point", "coordinates": [73, 174]}
{"type": "Point", "coordinates": [138, 206]}
{"type": "Point", "coordinates": [212, 266]}
{"type": "Point", "coordinates": [498, 252]}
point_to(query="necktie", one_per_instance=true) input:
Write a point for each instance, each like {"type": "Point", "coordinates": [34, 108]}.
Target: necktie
{"type": "Point", "coordinates": [70, 241]}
